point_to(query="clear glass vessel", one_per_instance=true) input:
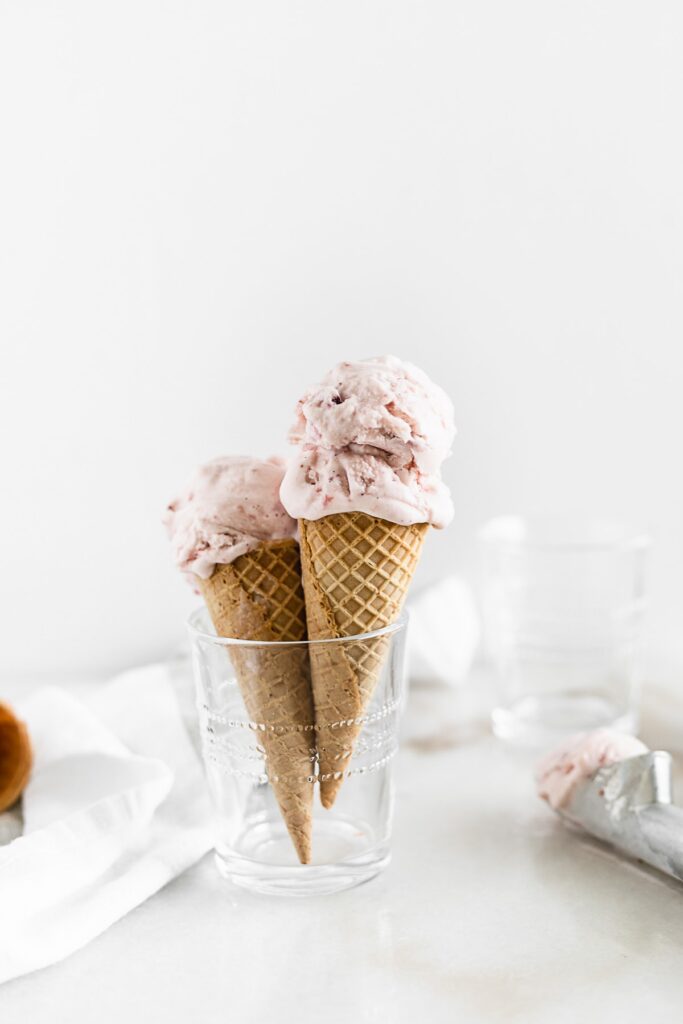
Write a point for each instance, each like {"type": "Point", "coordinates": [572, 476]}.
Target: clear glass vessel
{"type": "Point", "coordinates": [564, 603]}
{"type": "Point", "coordinates": [350, 841]}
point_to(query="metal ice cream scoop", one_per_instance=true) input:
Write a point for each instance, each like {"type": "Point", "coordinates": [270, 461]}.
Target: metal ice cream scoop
{"type": "Point", "coordinates": [628, 804]}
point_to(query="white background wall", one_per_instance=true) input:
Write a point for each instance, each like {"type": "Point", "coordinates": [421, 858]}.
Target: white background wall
{"type": "Point", "coordinates": [204, 205]}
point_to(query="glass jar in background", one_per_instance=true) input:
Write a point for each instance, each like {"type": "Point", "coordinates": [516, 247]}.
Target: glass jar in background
{"type": "Point", "coordinates": [564, 605]}
{"type": "Point", "coordinates": [244, 760]}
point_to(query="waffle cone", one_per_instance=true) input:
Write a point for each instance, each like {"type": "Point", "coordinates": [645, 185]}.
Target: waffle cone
{"type": "Point", "coordinates": [259, 596]}
{"type": "Point", "coordinates": [15, 757]}
{"type": "Point", "coordinates": [356, 573]}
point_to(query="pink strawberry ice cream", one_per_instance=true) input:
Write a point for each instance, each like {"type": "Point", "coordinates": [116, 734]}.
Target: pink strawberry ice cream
{"type": "Point", "coordinates": [229, 507]}
{"type": "Point", "coordinates": [372, 436]}
{"type": "Point", "coordinates": [560, 773]}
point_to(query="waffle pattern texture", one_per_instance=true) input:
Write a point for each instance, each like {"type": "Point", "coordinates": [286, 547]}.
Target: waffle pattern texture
{"type": "Point", "coordinates": [259, 596]}
{"type": "Point", "coordinates": [356, 573]}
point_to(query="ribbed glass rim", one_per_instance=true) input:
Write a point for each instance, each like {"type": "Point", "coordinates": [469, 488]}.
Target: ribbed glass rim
{"type": "Point", "coordinates": [196, 626]}
{"type": "Point", "coordinates": [525, 533]}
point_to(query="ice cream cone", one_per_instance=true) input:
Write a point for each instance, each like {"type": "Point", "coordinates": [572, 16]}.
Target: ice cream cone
{"type": "Point", "coordinates": [259, 596]}
{"type": "Point", "coordinates": [356, 573]}
{"type": "Point", "coordinates": [15, 757]}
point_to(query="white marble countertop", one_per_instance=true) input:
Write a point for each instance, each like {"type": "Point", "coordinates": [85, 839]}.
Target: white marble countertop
{"type": "Point", "coordinates": [490, 911]}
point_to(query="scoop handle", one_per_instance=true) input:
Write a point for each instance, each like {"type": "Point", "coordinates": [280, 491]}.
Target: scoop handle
{"type": "Point", "coordinates": [661, 832]}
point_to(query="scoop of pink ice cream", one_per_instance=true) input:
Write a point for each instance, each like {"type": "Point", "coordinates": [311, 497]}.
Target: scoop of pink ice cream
{"type": "Point", "coordinates": [372, 437]}
{"type": "Point", "coordinates": [229, 507]}
{"type": "Point", "coordinates": [560, 772]}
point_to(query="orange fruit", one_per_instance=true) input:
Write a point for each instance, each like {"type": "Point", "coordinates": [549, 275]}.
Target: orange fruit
{"type": "Point", "coordinates": [15, 757]}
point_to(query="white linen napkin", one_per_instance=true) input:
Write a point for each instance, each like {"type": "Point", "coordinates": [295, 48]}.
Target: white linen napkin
{"type": "Point", "coordinates": [116, 807]}
{"type": "Point", "coordinates": [444, 632]}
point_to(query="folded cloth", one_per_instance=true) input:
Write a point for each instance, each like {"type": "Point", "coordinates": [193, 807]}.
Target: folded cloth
{"type": "Point", "coordinates": [115, 808]}
{"type": "Point", "coordinates": [444, 632]}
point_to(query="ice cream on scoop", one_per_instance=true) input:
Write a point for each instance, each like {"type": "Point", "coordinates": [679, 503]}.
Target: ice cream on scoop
{"type": "Point", "coordinates": [372, 437]}
{"type": "Point", "coordinates": [560, 773]}
{"type": "Point", "coordinates": [618, 791]}
{"type": "Point", "coordinates": [230, 506]}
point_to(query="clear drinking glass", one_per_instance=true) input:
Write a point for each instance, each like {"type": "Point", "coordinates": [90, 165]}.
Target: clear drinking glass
{"type": "Point", "coordinates": [564, 605]}
{"type": "Point", "coordinates": [350, 841]}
